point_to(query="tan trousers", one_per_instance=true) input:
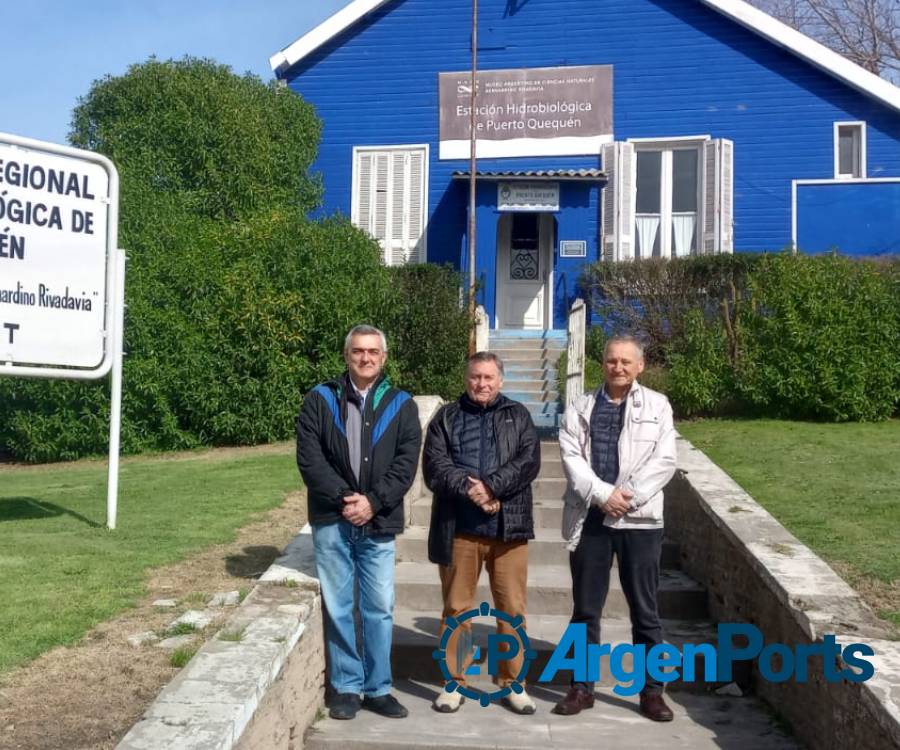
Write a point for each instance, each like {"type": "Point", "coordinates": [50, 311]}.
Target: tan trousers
{"type": "Point", "coordinates": [507, 566]}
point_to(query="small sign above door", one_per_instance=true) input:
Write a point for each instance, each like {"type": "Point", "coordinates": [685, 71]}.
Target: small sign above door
{"type": "Point", "coordinates": [572, 249]}
{"type": "Point", "coordinates": [528, 196]}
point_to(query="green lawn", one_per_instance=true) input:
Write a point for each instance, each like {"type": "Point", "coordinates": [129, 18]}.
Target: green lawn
{"type": "Point", "coordinates": [62, 571]}
{"type": "Point", "coordinates": [834, 486]}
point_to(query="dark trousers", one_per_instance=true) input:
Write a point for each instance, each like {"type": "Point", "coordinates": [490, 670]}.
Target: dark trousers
{"type": "Point", "coordinates": [638, 552]}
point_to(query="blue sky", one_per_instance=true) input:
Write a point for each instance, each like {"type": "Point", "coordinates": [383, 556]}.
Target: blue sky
{"type": "Point", "coordinates": [54, 49]}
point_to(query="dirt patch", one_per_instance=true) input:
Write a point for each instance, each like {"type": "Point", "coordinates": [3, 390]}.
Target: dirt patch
{"type": "Point", "coordinates": [89, 695]}
{"type": "Point", "coordinates": [880, 596]}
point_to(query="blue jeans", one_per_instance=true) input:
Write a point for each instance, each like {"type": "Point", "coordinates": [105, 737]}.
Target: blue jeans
{"type": "Point", "coordinates": [345, 558]}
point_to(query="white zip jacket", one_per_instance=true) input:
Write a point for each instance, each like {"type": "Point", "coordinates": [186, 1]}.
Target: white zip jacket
{"type": "Point", "coordinates": [646, 462]}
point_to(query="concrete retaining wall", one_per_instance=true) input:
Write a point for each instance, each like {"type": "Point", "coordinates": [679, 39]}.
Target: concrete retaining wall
{"type": "Point", "coordinates": [759, 573]}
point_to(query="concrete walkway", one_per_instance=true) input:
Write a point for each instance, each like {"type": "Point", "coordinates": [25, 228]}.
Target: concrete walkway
{"type": "Point", "coordinates": [702, 719]}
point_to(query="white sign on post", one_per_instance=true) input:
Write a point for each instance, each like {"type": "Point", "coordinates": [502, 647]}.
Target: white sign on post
{"type": "Point", "coordinates": [58, 235]}
{"type": "Point", "coordinates": [62, 276]}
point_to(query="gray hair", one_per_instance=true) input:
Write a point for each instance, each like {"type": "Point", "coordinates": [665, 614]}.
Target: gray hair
{"type": "Point", "coordinates": [485, 357]}
{"type": "Point", "coordinates": [624, 339]}
{"type": "Point", "coordinates": [365, 330]}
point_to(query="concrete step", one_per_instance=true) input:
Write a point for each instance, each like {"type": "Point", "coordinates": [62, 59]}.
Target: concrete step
{"type": "Point", "coordinates": [549, 449]}
{"type": "Point", "coordinates": [548, 489]}
{"type": "Point", "coordinates": [528, 386]}
{"type": "Point", "coordinates": [542, 407]}
{"type": "Point", "coordinates": [547, 514]}
{"type": "Point", "coordinates": [506, 342]}
{"type": "Point", "coordinates": [550, 591]}
{"type": "Point", "coordinates": [547, 547]}
{"type": "Point", "coordinates": [515, 374]}
{"type": "Point", "coordinates": [547, 424]}
{"type": "Point", "coordinates": [551, 468]}
{"type": "Point", "coordinates": [529, 360]}
{"type": "Point", "coordinates": [702, 722]}
{"type": "Point", "coordinates": [538, 395]}
{"type": "Point", "coordinates": [416, 638]}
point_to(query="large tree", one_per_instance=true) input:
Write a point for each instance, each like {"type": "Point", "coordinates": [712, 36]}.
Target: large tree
{"type": "Point", "coordinates": [864, 31]}
{"type": "Point", "coordinates": [224, 145]}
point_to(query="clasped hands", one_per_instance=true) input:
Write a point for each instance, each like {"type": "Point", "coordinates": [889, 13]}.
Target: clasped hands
{"type": "Point", "coordinates": [357, 509]}
{"type": "Point", "coordinates": [480, 494]}
{"type": "Point", "coordinates": [618, 503]}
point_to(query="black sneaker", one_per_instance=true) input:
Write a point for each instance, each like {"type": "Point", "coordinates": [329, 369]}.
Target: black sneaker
{"type": "Point", "coordinates": [386, 705]}
{"type": "Point", "coordinates": [344, 706]}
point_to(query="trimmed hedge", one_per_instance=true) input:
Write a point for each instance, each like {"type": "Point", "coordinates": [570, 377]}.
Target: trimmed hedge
{"type": "Point", "coordinates": [778, 335]}
{"type": "Point", "coordinates": [227, 326]}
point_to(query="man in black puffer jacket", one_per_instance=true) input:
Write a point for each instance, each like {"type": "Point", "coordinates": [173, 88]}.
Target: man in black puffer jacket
{"type": "Point", "coordinates": [481, 455]}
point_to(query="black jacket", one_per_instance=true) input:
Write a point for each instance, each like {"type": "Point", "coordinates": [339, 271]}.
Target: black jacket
{"type": "Point", "coordinates": [391, 437]}
{"type": "Point", "coordinates": [519, 454]}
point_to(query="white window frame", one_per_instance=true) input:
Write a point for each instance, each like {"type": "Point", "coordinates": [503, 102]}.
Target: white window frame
{"type": "Point", "coordinates": [354, 192]}
{"type": "Point", "coordinates": [861, 126]}
{"type": "Point", "coordinates": [667, 146]}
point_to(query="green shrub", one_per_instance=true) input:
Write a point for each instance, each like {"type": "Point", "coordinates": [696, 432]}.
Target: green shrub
{"type": "Point", "coordinates": [819, 341]}
{"type": "Point", "coordinates": [428, 330]}
{"type": "Point", "coordinates": [701, 378]}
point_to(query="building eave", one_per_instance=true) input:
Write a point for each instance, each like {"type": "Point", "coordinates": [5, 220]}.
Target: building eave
{"type": "Point", "coordinates": [740, 12]}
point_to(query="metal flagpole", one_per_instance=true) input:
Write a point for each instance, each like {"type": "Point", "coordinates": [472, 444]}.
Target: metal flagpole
{"type": "Point", "coordinates": [472, 180]}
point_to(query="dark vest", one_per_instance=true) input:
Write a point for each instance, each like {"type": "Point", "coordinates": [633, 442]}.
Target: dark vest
{"type": "Point", "coordinates": [606, 426]}
{"type": "Point", "coordinates": [474, 448]}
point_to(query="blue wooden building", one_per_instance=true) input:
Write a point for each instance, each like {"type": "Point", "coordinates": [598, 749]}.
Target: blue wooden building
{"type": "Point", "coordinates": [607, 129]}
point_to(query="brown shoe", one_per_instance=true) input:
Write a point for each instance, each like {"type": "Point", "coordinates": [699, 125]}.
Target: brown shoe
{"type": "Point", "coordinates": [576, 700]}
{"type": "Point", "coordinates": [654, 707]}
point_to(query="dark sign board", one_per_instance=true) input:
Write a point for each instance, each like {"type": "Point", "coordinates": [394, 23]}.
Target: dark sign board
{"type": "Point", "coordinates": [527, 111]}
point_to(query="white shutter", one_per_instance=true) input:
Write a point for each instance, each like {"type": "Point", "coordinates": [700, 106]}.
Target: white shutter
{"type": "Point", "coordinates": [379, 225]}
{"type": "Point", "coordinates": [416, 193]}
{"type": "Point", "coordinates": [718, 197]}
{"type": "Point", "coordinates": [389, 201]}
{"type": "Point", "coordinates": [397, 242]}
{"type": "Point", "coordinates": [620, 165]}
{"type": "Point", "coordinates": [362, 216]}
{"type": "Point", "coordinates": [608, 154]}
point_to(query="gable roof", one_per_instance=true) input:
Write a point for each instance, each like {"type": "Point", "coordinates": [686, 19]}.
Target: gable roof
{"type": "Point", "coordinates": [737, 10]}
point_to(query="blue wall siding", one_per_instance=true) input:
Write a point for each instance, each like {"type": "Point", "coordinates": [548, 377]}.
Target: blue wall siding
{"type": "Point", "coordinates": [853, 218]}
{"type": "Point", "coordinates": [680, 68]}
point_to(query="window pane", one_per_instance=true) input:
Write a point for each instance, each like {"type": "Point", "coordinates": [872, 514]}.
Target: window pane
{"type": "Point", "coordinates": [685, 180]}
{"type": "Point", "coordinates": [525, 230]}
{"type": "Point", "coordinates": [524, 260]}
{"type": "Point", "coordinates": [649, 164]}
{"type": "Point", "coordinates": [848, 151]}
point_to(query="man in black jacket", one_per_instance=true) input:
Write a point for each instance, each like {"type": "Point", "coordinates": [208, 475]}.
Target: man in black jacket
{"type": "Point", "coordinates": [481, 455]}
{"type": "Point", "coordinates": [357, 448]}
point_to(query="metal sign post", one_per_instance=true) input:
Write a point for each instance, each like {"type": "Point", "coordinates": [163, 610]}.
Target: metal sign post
{"type": "Point", "coordinates": [61, 272]}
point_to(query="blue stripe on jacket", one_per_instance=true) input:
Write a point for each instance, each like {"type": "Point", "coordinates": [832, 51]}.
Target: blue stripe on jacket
{"type": "Point", "coordinates": [325, 392]}
{"type": "Point", "coordinates": [390, 411]}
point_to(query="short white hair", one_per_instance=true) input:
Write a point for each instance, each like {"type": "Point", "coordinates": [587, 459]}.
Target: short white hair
{"type": "Point", "coordinates": [624, 339]}
{"type": "Point", "coordinates": [365, 330]}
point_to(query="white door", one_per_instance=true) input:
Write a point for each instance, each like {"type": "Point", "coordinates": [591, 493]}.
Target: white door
{"type": "Point", "coordinates": [524, 265]}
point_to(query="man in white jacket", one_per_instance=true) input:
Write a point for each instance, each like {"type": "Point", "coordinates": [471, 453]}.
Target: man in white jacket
{"type": "Point", "coordinates": [618, 452]}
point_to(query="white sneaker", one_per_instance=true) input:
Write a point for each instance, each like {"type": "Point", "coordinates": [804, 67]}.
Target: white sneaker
{"type": "Point", "coordinates": [520, 703]}
{"type": "Point", "coordinates": [448, 703]}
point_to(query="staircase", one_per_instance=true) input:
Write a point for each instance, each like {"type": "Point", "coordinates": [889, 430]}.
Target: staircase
{"type": "Point", "coordinates": [530, 359]}
{"type": "Point", "coordinates": [701, 720]}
